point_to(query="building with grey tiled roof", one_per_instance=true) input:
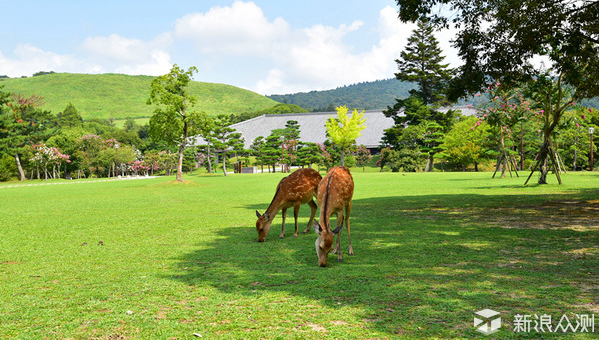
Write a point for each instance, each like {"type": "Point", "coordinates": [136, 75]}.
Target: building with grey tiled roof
{"type": "Point", "coordinates": [312, 126]}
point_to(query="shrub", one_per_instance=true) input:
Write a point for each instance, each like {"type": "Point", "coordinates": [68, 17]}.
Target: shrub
{"type": "Point", "coordinates": [8, 168]}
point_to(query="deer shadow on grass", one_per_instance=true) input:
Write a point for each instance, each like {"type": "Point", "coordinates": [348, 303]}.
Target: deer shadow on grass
{"type": "Point", "coordinates": [423, 264]}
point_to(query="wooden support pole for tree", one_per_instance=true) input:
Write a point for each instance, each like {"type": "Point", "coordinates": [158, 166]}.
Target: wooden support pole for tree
{"type": "Point", "coordinates": [498, 165]}
{"type": "Point", "coordinates": [553, 160]}
{"type": "Point", "coordinates": [555, 164]}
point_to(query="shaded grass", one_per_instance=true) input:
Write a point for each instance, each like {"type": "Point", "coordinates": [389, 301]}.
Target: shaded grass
{"type": "Point", "coordinates": [431, 249]}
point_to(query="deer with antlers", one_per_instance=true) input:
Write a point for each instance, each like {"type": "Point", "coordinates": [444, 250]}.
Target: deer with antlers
{"type": "Point", "coordinates": [294, 190]}
{"type": "Point", "coordinates": [335, 193]}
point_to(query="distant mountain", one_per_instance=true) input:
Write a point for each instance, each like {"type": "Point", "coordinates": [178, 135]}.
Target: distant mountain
{"type": "Point", "coordinates": [366, 96]}
{"type": "Point", "coordinates": [122, 96]}
{"type": "Point", "coordinates": [363, 96]}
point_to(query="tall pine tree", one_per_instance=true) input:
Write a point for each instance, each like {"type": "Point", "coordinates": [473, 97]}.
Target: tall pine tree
{"type": "Point", "coordinates": [421, 62]}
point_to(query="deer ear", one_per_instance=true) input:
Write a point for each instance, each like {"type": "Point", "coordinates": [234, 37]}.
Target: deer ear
{"type": "Point", "coordinates": [258, 214]}
{"type": "Point", "coordinates": [337, 230]}
{"type": "Point", "coordinates": [316, 227]}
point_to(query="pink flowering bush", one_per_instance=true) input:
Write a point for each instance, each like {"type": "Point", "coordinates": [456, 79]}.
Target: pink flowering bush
{"type": "Point", "coordinates": [502, 111]}
{"type": "Point", "coordinates": [45, 157]}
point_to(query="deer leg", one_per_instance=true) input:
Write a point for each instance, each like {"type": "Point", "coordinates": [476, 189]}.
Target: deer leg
{"type": "Point", "coordinates": [284, 214]}
{"type": "Point", "coordinates": [296, 208]}
{"type": "Point", "coordinates": [338, 246]}
{"type": "Point", "coordinates": [313, 208]}
{"type": "Point", "coordinates": [347, 212]}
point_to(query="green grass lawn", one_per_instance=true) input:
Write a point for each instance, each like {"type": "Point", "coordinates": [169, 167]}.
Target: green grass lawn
{"type": "Point", "coordinates": [155, 259]}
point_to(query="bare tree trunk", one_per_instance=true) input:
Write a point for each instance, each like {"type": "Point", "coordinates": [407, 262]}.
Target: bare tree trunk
{"type": "Point", "coordinates": [180, 163]}
{"type": "Point", "coordinates": [342, 157]}
{"type": "Point", "coordinates": [181, 150]}
{"type": "Point", "coordinates": [224, 165]}
{"type": "Point", "coordinates": [19, 168]}
{"type": "Point", "coordinates": [430, 163]}
{"type": "Point", "coordinates": [503, 158]}
{"type": "Point", "coordinates": [575, 153]}
{"type": "Point", "coordinates": [209, 160]}
{"type": "Point", "coordinates": [543, 162]}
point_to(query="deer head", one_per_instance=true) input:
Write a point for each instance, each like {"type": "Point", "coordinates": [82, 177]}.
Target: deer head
{"type": "Point", "coordinates": [335, 193]}
{"type": "Point", "coordinates": [263, 225]}
{"type": "Point", "coordinates": [324, 242]}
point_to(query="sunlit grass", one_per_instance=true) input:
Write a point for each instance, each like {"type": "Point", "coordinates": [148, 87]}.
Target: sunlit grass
{"type": "Point", "coordinates": [431, 249]}
{"type": "Point", "coordinates": [122, 96]}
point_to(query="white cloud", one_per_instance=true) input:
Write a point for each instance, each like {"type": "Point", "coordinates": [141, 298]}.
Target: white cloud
{"type": "Point", "coordinates": [115, 47]}
{"type": "Point", "coordinates": [239, 29]}
{"type": "Point", "coordinates": [104, 54]}
{"type": "Point", "coordinates": [158, 64]}
{"type": "Point", "coordinates": [130, 56]}
{"type": "Point", "coordinates": [30, 59]}
{"type": "Point", "coordinates": [318, 57]}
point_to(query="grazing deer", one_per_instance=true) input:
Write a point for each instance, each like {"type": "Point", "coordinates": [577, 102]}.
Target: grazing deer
{"type": "Point", "coordinates": [335, 193]}
{"type": "Point", "coordinates": [292, 191]}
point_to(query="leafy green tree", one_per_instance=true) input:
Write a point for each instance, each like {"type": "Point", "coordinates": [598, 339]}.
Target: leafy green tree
{"type": "Point", "coordinates": [189, 160]}
{"type": "Point", "coordinates": [272, 150]}
{"type": "Point", "coordinates": [66, 140]}
{"type": "Point", "coordinates": [168, 160]}
{"type": "Point", "coordinates": [69, 117]}
{"type": "Point", "coordinates": [406, 160]}
{"type": "Point", "coordinates": [237, 143]}
{"type": "Point", "coordinates": [344, 130]}
{"type": "Point", "coordinates": [130, 125]}
{"type": "Point", "coordinates": [498, 39]}
{"type": "Point", "coordinates": [257, 148]}
{"type": "Point", "coordinates": [8, 168]}
{"type": "Point", "coordinates": [551, 99]}
{"type": "Point", "coordinates": [413, 111]}
{"type": "Point", "coordinates": [384, 157]}
{"type": "Point", "coordinates": [363, 157]}
{"type": "Point", "coordinates": [290, 136]}
{"type": "Point", "coordinates": [173, 120]}
{"type": "Point", "coordinates": [330, 154]}
{"type": "Point", "coordinates": [21, 124]}
{"type": "Point", "coordinates": [205, 131]}
{"type": "Point", "coordinates": [222, 138]}
{"type": "Point", "coordinates": [504, 109]}
{"type": "Point", "coordinates": [465, 143]}
{"type": "Point", "coordinates": [308, 154]}
{"type": "Point", "coordinates": [422, 63]}
{"type": "Point", "coordinates": [573, 140]}
{"type": "Point", "coordinates": [431, 142]}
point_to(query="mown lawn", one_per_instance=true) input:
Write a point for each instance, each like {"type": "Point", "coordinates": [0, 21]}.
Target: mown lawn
{"type": "Point", "coordinates": [155, 259]}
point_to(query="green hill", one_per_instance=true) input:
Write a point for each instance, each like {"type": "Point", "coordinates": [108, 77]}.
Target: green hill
{"type": "Point", "coordinates": [121, 96]}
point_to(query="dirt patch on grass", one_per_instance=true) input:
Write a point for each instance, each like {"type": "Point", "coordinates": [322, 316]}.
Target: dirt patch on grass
{"type": "Point", "coordinates": [575, 215]}
{"type": "Point", "coordinates": [177, 183]}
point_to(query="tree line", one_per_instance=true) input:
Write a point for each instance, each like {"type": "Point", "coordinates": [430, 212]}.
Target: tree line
{"type": "Point", "coordinates": [36, 144]}
{"type": "Point", "coordinates": [524, 111]}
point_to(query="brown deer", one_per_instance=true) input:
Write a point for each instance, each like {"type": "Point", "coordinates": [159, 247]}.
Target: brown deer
{"type": "Point", "coordinates": [292, 191]}
{"type": "Point", "coordinates": [335, 193]}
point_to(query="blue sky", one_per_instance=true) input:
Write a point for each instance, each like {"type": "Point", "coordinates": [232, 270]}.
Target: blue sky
{"type": "Point", "coordinates": [268, 46]}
